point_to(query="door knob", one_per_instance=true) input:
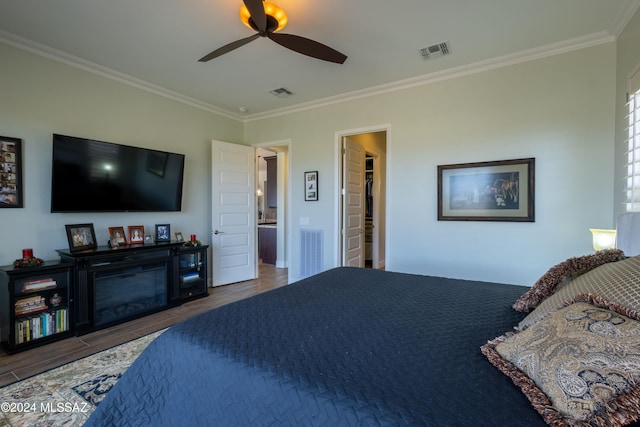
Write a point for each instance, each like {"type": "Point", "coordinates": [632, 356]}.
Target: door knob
{"type": "Point", "coordinates": [218, 232]}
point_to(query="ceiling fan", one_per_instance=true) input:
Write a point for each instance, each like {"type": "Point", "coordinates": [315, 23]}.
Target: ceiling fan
{"type": "Point", "coordinates": [267, 18]}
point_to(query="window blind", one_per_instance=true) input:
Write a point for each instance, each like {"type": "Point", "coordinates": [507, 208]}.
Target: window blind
{"type": "Point", "coordinates": [632, 185]}
{"type": "Point", "coordinates": [634, 82]}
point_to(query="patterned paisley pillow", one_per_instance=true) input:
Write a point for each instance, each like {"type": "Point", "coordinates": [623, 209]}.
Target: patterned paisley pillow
{"type": "Point", "coordinates": [578, 366]}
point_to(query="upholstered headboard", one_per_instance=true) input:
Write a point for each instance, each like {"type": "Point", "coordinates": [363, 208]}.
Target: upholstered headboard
{"type": "Point", "coordinates": [628, 233]}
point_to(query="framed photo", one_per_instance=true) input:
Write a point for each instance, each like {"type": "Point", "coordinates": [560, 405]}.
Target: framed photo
{"type": "Point", "coordinates": [148, 239]}
{"type": "Point", "coordinates": [311, 186]}
{"type": "Point", "coordinates": [136, 234]}
{"type": "Point", "coordinates": [487, 191]}
{"type": "Point", "coordinates": [163, 233]}
{"type": "Point", "coordinates": [117, 236]}
{"type": "Point", "coordinates": [81, 237]}
{"type": "Point", "coordinates": [179, 237]}
{"type": "Point", "coordinates": [11, 195]}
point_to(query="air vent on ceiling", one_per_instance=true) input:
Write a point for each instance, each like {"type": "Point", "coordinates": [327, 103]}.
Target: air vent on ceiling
{"type": "Point", "coordinates": [435, 50]}
{"type": "Point", "coordinates": [281, 92]}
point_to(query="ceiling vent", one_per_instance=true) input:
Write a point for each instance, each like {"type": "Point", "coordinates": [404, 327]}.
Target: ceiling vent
{"type": "Point", "coordinates": [281, 92]}
{"type": "Point", "coordinates": [435, 51]}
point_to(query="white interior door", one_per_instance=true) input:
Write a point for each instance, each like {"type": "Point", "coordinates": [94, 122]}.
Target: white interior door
{"type": "Point", "coordinates": [233, 213]}
{"type": "Point", "coordinates": [353, 205]}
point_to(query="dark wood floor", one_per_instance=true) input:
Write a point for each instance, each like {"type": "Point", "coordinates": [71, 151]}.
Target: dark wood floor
{"type": "Point", "coordinates": [31, 362]}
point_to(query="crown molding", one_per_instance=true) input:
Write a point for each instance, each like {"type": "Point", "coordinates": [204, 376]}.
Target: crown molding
{"type": "Point", "coordinates": [451, 73]}
{"type": "Point", "coordinates": [625, 13]}
{"type": "Point", "coordinates": [76, 62]}
{"type": "Point", "coordinates": [464, 70]}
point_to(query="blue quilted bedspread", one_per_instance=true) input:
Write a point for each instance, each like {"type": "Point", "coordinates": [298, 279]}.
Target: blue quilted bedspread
{"type": "Point", "coordinates": [346, 347]}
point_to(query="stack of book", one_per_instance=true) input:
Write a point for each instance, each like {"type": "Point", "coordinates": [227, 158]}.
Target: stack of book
{"type": "Point", "coordinates": [38, 285]}
{"type": "Point", "coordinates": [41, 325]}
{"type": "Point", "coordinates": [30, 305]}
{"type": "Point", "coordinates": [34, 319]}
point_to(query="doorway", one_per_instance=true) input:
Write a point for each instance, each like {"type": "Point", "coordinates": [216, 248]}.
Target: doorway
{"type": "Point", "coordinates": [362, 193]}
{"type": "Point", "coordinates": [273, 203]}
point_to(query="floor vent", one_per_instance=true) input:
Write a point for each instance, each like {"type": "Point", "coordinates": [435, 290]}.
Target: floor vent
{"type": "Point", "coordinates": [311, 250]}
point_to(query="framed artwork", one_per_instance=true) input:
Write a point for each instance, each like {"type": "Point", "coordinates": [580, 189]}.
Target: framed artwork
{"type": "Point", "coordinates": [163, 233]}
{"type": "Point", "coordinates": [311, 186]}
{"type": "Point", "coordinates": [11, 195]}
{"type": "Point", "coordinates": [179, 236]}
{"type": "Point", "coordinates": [136, 234]}
{"type": "Point", "coordinates": [487, 191]}
{"type": "Point", "coordinates": [148, 239]}
{"type": "Point", "coordinates": [81, 237]}
{"type": "Point", "coordinates": [117, 236]}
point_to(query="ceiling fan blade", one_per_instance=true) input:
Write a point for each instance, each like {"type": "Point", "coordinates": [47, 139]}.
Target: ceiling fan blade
{"type": "Point", "coordinates": [308, 47]}
{"type": "Point", "coordinates": [228, 48]}
{"type": "Point", "coordinates": [256, 10]}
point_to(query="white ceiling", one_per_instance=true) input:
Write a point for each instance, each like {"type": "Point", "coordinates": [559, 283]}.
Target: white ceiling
{"type": "Point", "coordinates": [156, 44]}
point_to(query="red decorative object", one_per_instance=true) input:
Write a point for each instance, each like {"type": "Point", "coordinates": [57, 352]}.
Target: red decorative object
{"type": "Point", "coordinates": [193, 237]}
{"type": "Point", "coordinates": [28, 262]}
{"type": "Point", "coordinates": [27, 253]}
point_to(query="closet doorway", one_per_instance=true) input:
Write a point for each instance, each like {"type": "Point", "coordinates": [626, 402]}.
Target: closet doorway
{"type": "Point", "coordinates": [362, 224]}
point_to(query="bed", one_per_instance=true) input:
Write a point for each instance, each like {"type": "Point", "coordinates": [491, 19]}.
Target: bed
{"type": "Point", "coordinates": [346, 347]}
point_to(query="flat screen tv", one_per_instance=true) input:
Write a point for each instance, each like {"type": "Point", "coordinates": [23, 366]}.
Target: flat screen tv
{"type": "Point", "coordinates": [97, 176]}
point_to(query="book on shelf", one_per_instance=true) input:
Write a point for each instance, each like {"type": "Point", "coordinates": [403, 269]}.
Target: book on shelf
{"type": "Point", "coordinates": [28, 300]}
{"type": "Point", "coordinates": [30, 305]}
{"type": "Point", "coordinates": [40, 326]}
{"type": "Point", "coordinates": [39, 284]}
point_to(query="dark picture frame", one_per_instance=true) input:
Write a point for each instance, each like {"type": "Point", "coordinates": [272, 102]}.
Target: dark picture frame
{"type": "Point", "coordinates": [11, 195]}
{"type": "Point", "coordinates": [502, 190]}
{"type": "Point", "coordinates": [163, 233]}
{"type": "Point", "coordinates": [311, 186]}
{"type": "Point", "coordinates": [81, 237]}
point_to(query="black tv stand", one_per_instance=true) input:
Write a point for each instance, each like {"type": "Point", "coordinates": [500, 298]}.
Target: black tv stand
{"type": "Point", "coordinates": [116, 284]}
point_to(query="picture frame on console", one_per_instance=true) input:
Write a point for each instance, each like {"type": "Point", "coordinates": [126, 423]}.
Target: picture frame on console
{"type": "Point", "coordinates": [81, 237]}
{"type": "Point", "coordinates": [136, 234]}
{"type": "Point", "coordinates": [179, 236]}
{"type": "Point", "coordinates": [117, 236]}
{"type": "Point", "coordinates": [11, 195]}
{"type": "Point", "coordinates": [163, 233]}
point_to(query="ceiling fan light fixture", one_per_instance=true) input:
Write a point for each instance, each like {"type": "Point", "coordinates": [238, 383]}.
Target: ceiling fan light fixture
{"type": "Point", "coordinates": [265, 19]}
{"type": "Point", "coordinates": [271, 10]}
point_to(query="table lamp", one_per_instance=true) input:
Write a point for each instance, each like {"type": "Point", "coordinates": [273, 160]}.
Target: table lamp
{"type": "Point", "coordinates": [603, 239]}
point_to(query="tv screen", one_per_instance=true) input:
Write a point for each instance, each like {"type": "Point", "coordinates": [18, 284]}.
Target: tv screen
{"type": "Point", "coordinates": [97, 176]}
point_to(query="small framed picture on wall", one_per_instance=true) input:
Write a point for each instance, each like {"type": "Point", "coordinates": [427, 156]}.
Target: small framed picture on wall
{"type": "Point", "coordinates": [311, 186]}
{"type": "Point", "coordinates": [11, 195]}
